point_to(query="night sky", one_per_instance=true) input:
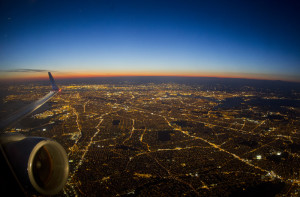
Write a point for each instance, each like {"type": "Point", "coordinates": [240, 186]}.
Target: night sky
{"type": "Point", "coordinates": [251, 39]}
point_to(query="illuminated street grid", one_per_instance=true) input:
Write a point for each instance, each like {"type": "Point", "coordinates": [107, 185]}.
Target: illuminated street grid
{"type": "Point", "coordinates": [161, 139]}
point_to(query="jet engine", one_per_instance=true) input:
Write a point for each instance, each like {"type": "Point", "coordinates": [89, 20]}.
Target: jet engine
{"type": "Point", "coordinates": [38, 163]}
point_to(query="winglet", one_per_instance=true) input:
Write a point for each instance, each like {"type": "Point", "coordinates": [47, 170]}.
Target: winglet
{"type": "Point", "coordinates": [54, 86]}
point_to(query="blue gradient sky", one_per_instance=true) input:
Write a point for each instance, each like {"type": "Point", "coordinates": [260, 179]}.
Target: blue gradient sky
{"type": "Point", "coordinates": [251, 39]}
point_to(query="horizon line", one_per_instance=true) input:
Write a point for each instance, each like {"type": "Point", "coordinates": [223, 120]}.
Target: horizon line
{"type": "Point", "coordinates": [81, 76]}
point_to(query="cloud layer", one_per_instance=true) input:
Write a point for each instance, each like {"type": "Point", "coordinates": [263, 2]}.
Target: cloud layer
{"type": "Point", "coordinates": [25, 70]}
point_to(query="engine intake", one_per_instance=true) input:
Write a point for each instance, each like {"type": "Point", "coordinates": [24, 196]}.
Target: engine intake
{"type": "Point", "coordinates": [39, 163]}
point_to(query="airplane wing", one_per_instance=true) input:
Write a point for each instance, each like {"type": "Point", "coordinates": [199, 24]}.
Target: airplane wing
{"type": "Point", "coordinates": [25, 111]}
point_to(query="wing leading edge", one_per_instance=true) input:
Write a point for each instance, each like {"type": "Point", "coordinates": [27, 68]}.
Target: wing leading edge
{"type": "Point", "coordinates": [31, 107]}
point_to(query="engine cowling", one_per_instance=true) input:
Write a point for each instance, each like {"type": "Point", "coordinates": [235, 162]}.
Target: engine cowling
{"type": "Point", "coordinates": [39, 163]}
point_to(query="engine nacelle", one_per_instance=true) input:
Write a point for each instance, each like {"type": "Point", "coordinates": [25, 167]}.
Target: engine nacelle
{"type": "Point", "coordinates": [39, 163]}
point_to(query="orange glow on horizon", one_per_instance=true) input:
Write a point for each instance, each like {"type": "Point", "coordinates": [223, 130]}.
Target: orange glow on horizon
{"type": "Point", "coordinates": [65, 75]}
